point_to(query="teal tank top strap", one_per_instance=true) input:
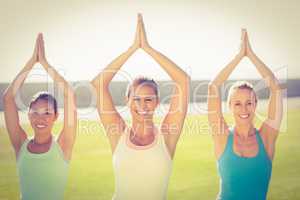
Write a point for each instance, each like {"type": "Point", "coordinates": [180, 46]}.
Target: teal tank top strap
{"type": "Point", "coordinates": [260, 143]}
{"type": "Point", "coordinates": [228, 147]}
{"type": "Point", "coordinates": [262, 150]}
{"type": "Point", "coordinates": [230, 140]}
{"type": "Point", "coordinates": [258, 137]}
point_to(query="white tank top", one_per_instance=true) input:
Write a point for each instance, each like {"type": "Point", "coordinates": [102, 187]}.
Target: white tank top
{"type": "Point", "coordinates": [141, 172]}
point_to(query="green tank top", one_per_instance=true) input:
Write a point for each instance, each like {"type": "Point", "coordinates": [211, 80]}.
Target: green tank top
{"type": "Point", "coordinates": [244, 178]}
{"type": "Point", "coordinates": [42, 176]}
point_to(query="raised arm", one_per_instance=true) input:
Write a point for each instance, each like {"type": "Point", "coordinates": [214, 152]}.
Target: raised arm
{"type": "Point", "coordinates": [16, 134]}
{"type": "Point", "coordinates": [173, 122]}
{"type": "Point", "coordinates": [216, 120]}
{"type": "Point", "coordinates": [67, 136]}
{"type": "Point", "coordinates": [112, 121]}
{"type": "Point", "coordinates": [270, 127]}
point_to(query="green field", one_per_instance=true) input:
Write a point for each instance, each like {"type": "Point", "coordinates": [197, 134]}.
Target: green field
{"type": "Point", "coordinates": [194, 173]}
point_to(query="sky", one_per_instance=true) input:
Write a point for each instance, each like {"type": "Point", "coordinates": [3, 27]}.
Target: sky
{"type": "Point", "coordinates": [82, 37]}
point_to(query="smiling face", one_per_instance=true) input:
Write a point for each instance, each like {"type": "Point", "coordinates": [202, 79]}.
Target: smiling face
{"type": "Point", "coordinates": [42, 114]}
{"type": "Point", "coordinates": [242, 104]}
{"type": "Point", "coordinates": [142, 102]}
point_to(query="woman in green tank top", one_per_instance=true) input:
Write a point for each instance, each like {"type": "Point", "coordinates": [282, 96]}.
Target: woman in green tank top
{"type": "Point", "coordinates": [42, 161]}
{"type": "Point", "coordinates": [244, 154]}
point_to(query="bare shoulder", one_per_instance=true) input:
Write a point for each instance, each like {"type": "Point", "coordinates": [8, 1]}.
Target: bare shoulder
{"type": "Point", "coordinates": [220, 142]}
{"type": "Point", "coordinates": [269, 136]}
{"type": "Point", "coordinates": [114, 138]}
{"type": "Point", "coordinates": [268, 132]}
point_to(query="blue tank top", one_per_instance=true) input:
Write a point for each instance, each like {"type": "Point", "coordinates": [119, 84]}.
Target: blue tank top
{"type": "Point", "coordinates": [241, 177]}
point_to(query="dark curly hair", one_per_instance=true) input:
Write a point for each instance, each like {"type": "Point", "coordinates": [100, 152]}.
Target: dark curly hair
{"type": "Point", "coordinates": [46, 97]}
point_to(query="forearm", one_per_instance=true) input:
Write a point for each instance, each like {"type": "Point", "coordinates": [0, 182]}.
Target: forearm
{"type": "Point", "coordinates": [11, 115]}
{"type": "Point", "coordinates": [104, 78]}
{"type": "Point", "coordinates": [58, 79]}
{"type": "Point", "coordinates": [265, 72]}
{"type": "Point", "coordinates": [275, 105]}
{"type": "Point", "coordinates": [214, 97]}
{"type": "Point", "coordinates": [70, 112]}
{"type": "Point", "coordinates": [13, 88]}
{"type": "Point", "coordinates": [225, 72]}
{"type": "Point", "coordinates": [214, 101]}
{"type": "Point", "coordinates": [69, 96]}
{"type": "Point", "coordinates": [175, 72]}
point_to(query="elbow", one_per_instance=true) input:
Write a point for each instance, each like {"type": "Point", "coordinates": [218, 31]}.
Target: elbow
{"type": "Point", "coordinates": [99, 83]}
{"type": "Point", "coordinates": [187, 77]}
{"type": "Point", "coordinates": [180, 77]}
{"type": "Point", "coordinates": [94, 83]}
{"type": "Point", "coordinates": [69, 93]}
{"type": "Point", "coordinates": [276, 87]}
{"type": "Point", "coordinates": [7, 96]}
{"type": "Point", "coordinates": [73, 99]}
{"type": "Point", "coordinates": [70, 96]}
{"type": "Point", "coordinates": [186, 80]}
{"type": "Point", "coordinates": [213, 84]}
{"type": "Point", "coordinates": [4, 96]}
{"type": "Point", "coordinates": [212, 87]}
{"type": "Point", "coordinates": [213, 94]}
{"type": "Point", "coordinates": [274, 84]}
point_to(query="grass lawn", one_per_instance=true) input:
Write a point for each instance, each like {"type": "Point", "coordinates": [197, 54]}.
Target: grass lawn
{"type": "Point", "coordinates": [194, 173]}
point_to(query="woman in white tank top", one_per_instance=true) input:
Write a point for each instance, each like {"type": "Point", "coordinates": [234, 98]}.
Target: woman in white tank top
{"type": "Point", "coordinates": [142, 153]}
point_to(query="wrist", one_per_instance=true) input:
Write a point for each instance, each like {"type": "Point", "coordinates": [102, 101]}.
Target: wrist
{"type": "Point", "coordinates": [250, 54]}
{"type": "Point", "coordinates": [216, 84]}
{"type": "Point", "coordinates": [147, 48]}
{"type": "Point", "coordinates": [44, 63]}
{"type": "Point", "coordinates": [31, 62]}
{"type": "Point", "coordinates": [239, 56]}
{"type": "Point", "coordinates": [132, 49]}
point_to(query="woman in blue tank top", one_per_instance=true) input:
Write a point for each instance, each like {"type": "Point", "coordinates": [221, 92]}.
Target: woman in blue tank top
{"type": "Point", "coordinates": [244, 154]}
{"type": "Point", "coordinates": [42, 161]}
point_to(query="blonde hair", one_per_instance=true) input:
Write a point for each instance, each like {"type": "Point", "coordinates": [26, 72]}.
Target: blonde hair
{"type": "Point", "coordinates": [240, 85]}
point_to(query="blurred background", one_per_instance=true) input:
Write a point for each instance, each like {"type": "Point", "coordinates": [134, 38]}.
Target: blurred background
{"type": "Point", "coordinates": [82, 37]}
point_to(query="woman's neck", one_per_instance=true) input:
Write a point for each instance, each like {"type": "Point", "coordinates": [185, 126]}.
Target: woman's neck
{"type": "Point", "coordinates": [244, 130]}
{"type": "Point", "coordinates": [42, 138]}
{"type": "Point", "coordinates": [143, 129]}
